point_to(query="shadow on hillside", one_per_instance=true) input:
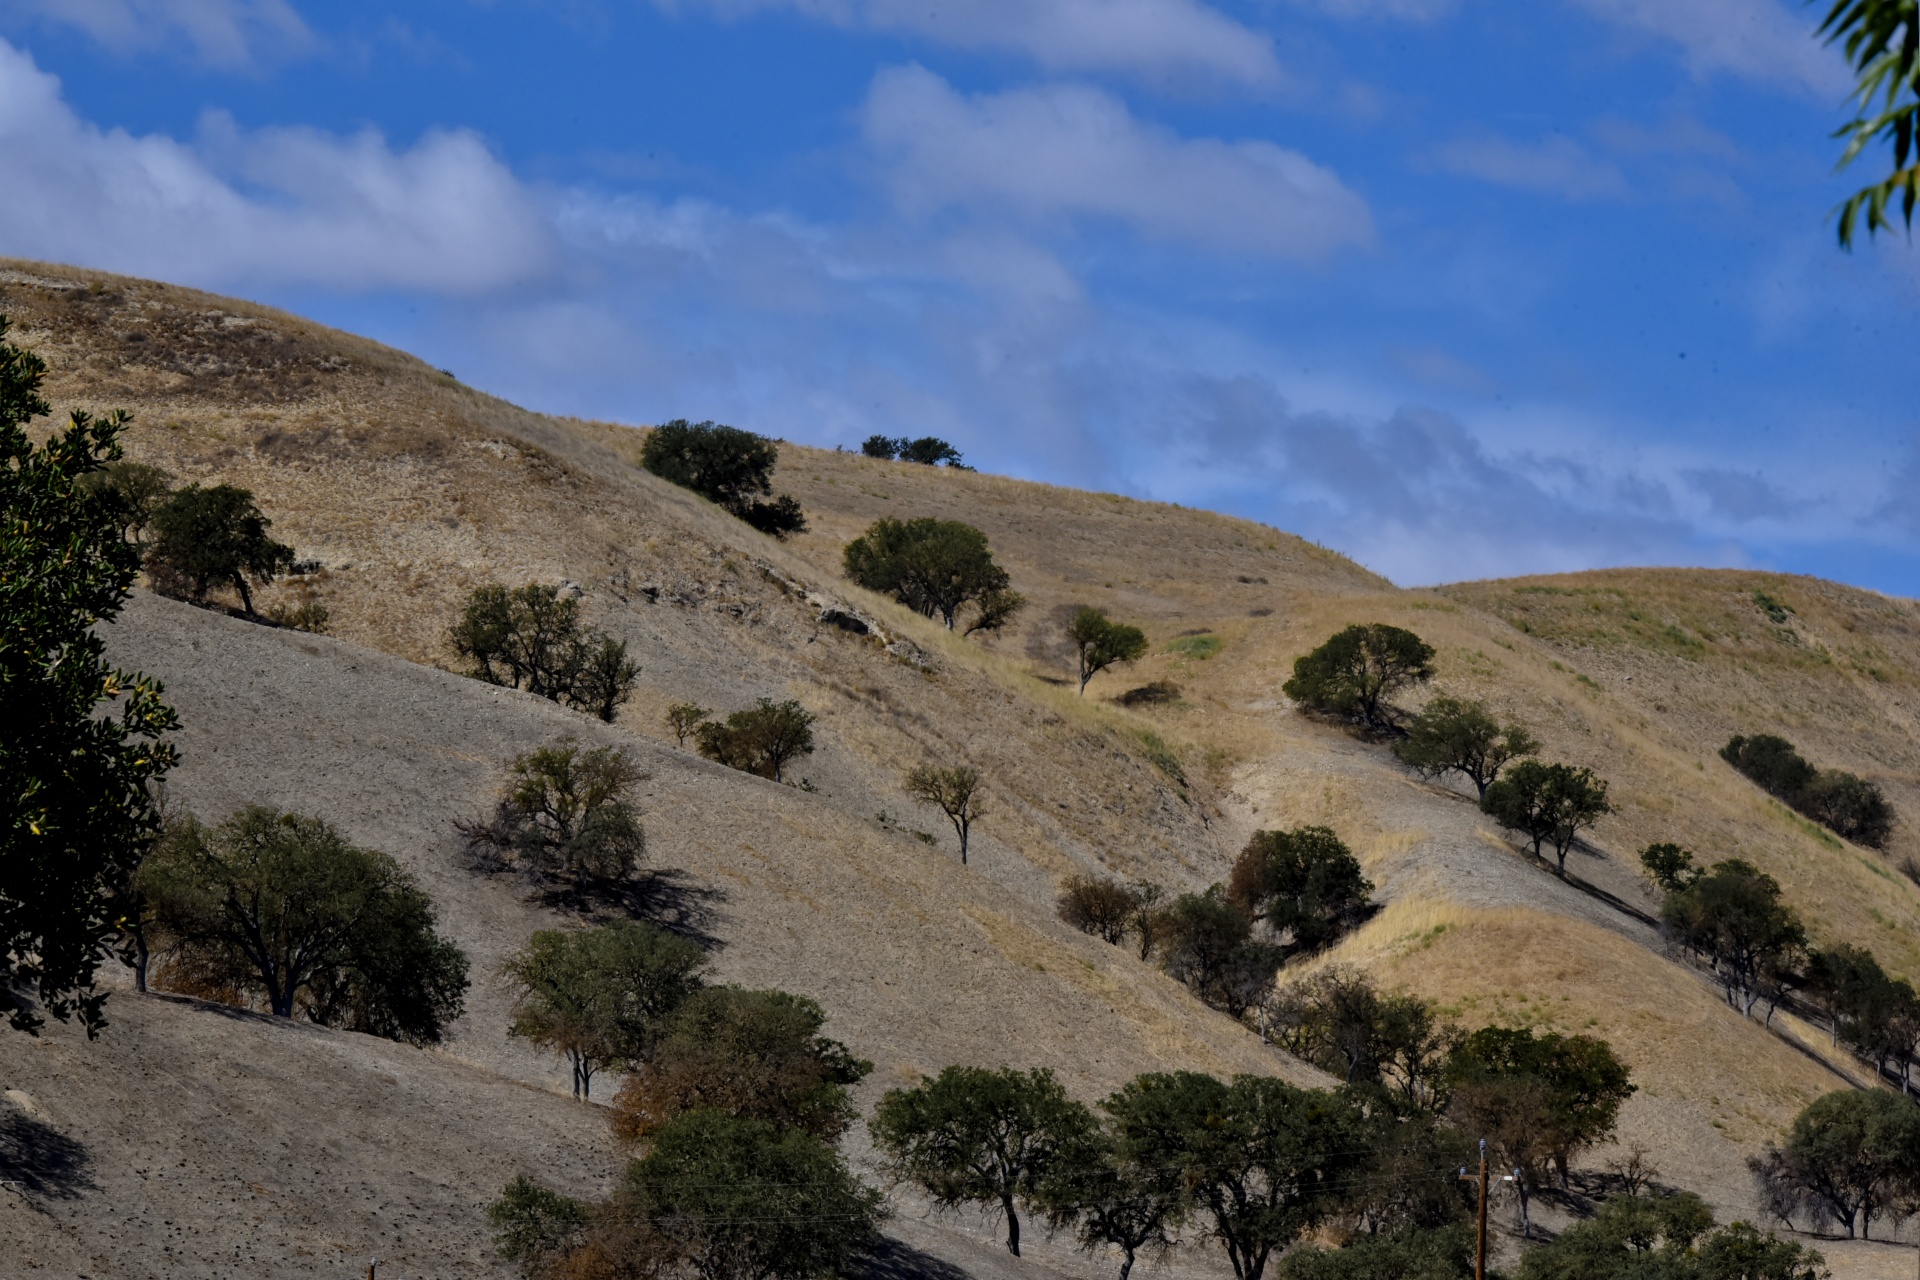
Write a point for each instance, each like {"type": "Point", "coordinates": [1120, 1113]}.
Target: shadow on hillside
{"type": "Point", "coordinates": [38, 1160]}
{"type": "Point", "coordinates": [667, 897]}
{"type": "Point", "coordinates": [895, 1260]}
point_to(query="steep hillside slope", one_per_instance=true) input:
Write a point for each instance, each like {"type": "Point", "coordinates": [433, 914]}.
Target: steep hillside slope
{"type": "Point", "coordinates": [411, 489]}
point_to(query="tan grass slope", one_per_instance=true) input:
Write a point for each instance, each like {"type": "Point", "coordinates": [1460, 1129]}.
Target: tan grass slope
{"type": "Point", "coordinates": [411, 489]}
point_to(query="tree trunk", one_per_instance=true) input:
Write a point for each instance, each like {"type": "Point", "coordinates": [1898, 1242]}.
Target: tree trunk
{"type": "Point", "coordinates": [962, 826]}
{"type": "Point", "coordinates": [1126, 1264]}
{"type": "Point", "coordinates": [140, 957]}
{"type": "Point", "coordinates": [1013, 1226]}
{"type": "Point", "coordinates": [246, 596]}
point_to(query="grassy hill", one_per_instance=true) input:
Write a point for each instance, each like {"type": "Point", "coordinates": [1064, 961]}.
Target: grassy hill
{"type": "Point", "coordinates": [411, 489]}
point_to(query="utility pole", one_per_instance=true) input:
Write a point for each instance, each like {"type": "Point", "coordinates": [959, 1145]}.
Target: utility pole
{"type": "Point", "coordinates": [1480, 1248]}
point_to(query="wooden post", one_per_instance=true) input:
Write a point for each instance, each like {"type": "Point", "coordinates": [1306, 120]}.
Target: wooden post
{"type": "Point", "coordinates": [373, 1265]}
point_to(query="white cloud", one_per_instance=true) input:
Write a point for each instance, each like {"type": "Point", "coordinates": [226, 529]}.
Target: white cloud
{"type": "Point", "coordinates": [1179, 39]}
{"type": "Point", "coordinates": [1759, 39]}
{"type": "Point", "coordinates": [274, 206]}
{"type": "Point", "coordinates": [1399, 10]}
{"type": "Point", "coordinates": [1557, 165]}
{"type": "Point", "coordinates": [1065, 151]}
{"type": "Point", "coordinates": [224, 33]}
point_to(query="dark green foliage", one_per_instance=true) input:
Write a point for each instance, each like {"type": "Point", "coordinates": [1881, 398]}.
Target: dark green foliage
{"type": "Point", "coordinates": [1666, 1238]}
{"type": "Point", "coordinates": [1670, 867]}
{"type": "Point", "coordinates": [1844, 803]}
{"type": "Point", "coordinates": [533, 638]}
{"type": "Point", "coordinates": [1306, 884]}
{"type": "Point", "coordinates": [282, 908]}
{"type": "Point", "coordinates": [208, 538]}
{"type": "Point", "coordinates": [1441, 1254]}
{"type": "Point", "coordinates": [1100, 642]}
{"type": "Point", "coordinates": [1772, 762]}
{"type": "Point", "coordinates": [927, 450]}
{"type": "Point", "coordinates": [1262, 1162]}
{"type": "Point", "coordinates": [1536, 1099]}
{"type": "Point", "coordinates": [752, 1054]}
{"type": "Point", "coordinates": [932, 566]}
{"type": "Point", "coordinates": [567, 814]}
{"type": "Point", "coordinates": [1206, 941]}
{"type": "Point", "coordinates": [135, 490]}
{"type": "Point", "coordinates": [600, 995]}
{"type": "Point", "coordinates": [81, 744]}
{"type": "Point", "coordinates": [1733, 916]}
{"type": "Point", "coordinates": [533, 1226]}
{"type": "Point", "coordinates": [1109, 1199]}
{"type": "Point", "coordinates": [760, 740]}
{"type": "Point", "coordinates": [1352, 674]}
{"type": "Point", "coordinates": [1848, 1156]}
{"type": "Point", "coordinates": [973, 1136]}
{"type": "Point", "coordinates": [993, 610]}
{"type": "Point", "coordinates": [1548, 804]}
{"type": "Point", "coordinates": [728, 467]}
{"type": "Point", "coordinates": [1452, 735]}
{"type": "Point", "coordinates": [1339, 1021]}
{"type": "Point", "coordinates": [729, 1198]}
{"type": "Point", "coordinates": [1882, 43]}
{"type": "Point", "coordinates": [1878, 1016]}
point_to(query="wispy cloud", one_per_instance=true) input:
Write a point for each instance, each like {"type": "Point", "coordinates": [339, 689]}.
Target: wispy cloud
{"type": "Point", "coordinates": [1759, 39]}
{"type": "Point", "coordinates": [230, 34]}
{"type": "Point", "coordinates": [1557, 165]}
{"type": "Point", "coordinates": [275, 206]}
{"type": "Point", "coordinates": [1155, 39]}
{"type": "Point", "coordinates": [1070, 151]}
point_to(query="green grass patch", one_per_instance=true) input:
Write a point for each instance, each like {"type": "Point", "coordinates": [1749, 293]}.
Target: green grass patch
{"type": "Point", "coordinates": [1199, 648]}
{"type": "Point", "coordinates": [1162, 757]}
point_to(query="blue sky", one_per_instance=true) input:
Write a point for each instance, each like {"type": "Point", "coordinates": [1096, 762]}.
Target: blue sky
{"type": "Point", "coordinates": [1459, 289]}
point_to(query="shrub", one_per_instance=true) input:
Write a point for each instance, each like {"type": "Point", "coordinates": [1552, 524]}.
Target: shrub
{"type": "Point", "coordinates": [533, 1226]}
{"type": "Point", "coordinates": [1306, 884]}
{"type": "Point", "coordinates": [1206, 941]}
{"type": "Point", "coordinates": [1772, 762]}
{"type": "Point", "coordinates": [1354, 672]}
{"type": "Point", "coordinates": [76, 771]}
{"type": "Point", "coordinates": [567, 813]}
{"type": "Point", "coordinates": [934, 567]}
{"type": "Point", "coordinates": [1100, 642]}
{"type": "Point", "coordinates": [1547, 804]}
{"type": "Point", "coordinates": [729, 467]}
{"type": "Point", "coordinates": [282, 908]}
{"type": "Point", "coordinates": [1850, 807]}
{"type": "Point", "coordinates": [207, 538]}
{"type": "Point", "coordinates": [1442, 1254]}
{"type": "Point", "coordinates": [1849, 1155]}
{"type": "Point", "coordinates": [753, 1054]}
{"type": "Point", "coordinates": [760, 740]}
{"type": "Point", "coordinates": [532, 638]}
{"type": "Point", "coordinates": [1339, 1021]}
{"type": "Point", "coordinates": [927, 450]}
{"type": "Point", "coordinates": [1653, 1238]}
{"type": "Point", "coordinates": [134, 490]}
{"type": "Point", "coordinates": [599, 996]}
{"type": "Point", "coordinates": [1453, 735]}
{"type": "Point", "coordinates": [1098, 906]}
{"type": "Point", "coordinates": [973, 1136]}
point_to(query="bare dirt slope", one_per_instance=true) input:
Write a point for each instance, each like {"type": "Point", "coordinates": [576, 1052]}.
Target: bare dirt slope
{"type": "Point", "coordinates": [411, 489]}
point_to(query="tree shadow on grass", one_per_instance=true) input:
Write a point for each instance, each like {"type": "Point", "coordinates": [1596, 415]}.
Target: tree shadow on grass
{"type": "Point", "coordinates": [39, 1160]}
{"type": "Point", "coordinates": [892, 1259]}
{"type": "Point", "coordinates": [666, 897]}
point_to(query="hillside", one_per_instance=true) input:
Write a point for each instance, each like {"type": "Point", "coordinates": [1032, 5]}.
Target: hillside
{"type": "Point", "coordinates": [411, 489]}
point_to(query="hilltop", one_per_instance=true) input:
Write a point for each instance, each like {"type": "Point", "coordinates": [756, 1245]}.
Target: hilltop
{"type": "Point", "coordinates": [410, 489]}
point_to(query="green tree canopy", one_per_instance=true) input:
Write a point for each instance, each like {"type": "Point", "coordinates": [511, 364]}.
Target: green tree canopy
{"type": "Point", "coordinates": [1206, 941]}
{"type": "Point", "coordinates": [206, 538]}
{"type": "Point", "coordinates": [600, 996]}
{"type": "Point", "coordinates": [974, 1136]}
{"type": "Point", "coordinates": [934, 567]}
{"type": "Point", "coordinates": [1306, 884]}
{"type": "Point", "coordinates": [136, 490]}
{"type": "Point", "coordinates": [1262, 1162]}
{"type": "Point", "coordinates": [567, 813]}
{"type": "Point", "coordinates": [1882, 43]}
{"type": "Point", "coordinates": [1666, 1238]}
{"type": "Point", "coordinates": [1339, 1021]}
{"type": "Point", "coordinates": [1443, 1254]}
{"type": "Point", "coordinates": [1549, 804]}
{"type": "Point", "coordinates": [1455, 735]}
{"type": "Point", "coordinates": [1670, 866]}
{"type": "Point", "coordinates": [1848, 1156]}
{"type": "Point", "coordinates": [533, 638]}
{"type": "Point", "coordinates": [731, 468]}
{"type": "Point", "coordinates": [1110, 1200]}
{"type": "Point", "coordinates": [733, 1198]}
{"type": "Point", "coordinates": [1099, 642]}
{"type": "Point", "coordinates": [1353, 674]}
{"type": "Point", "coordinates": [761, 740]}
{"type": "Point", "coordinates": [755, 1054]}
{"type": "Point", "coordinates": [1734, 916]}
{"type": "Point", "coordinates": [954, 790]}
{"type": "Point", "coordinates": [81, 743]}
{"type": "Point", "coordinates": [283, 908]}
